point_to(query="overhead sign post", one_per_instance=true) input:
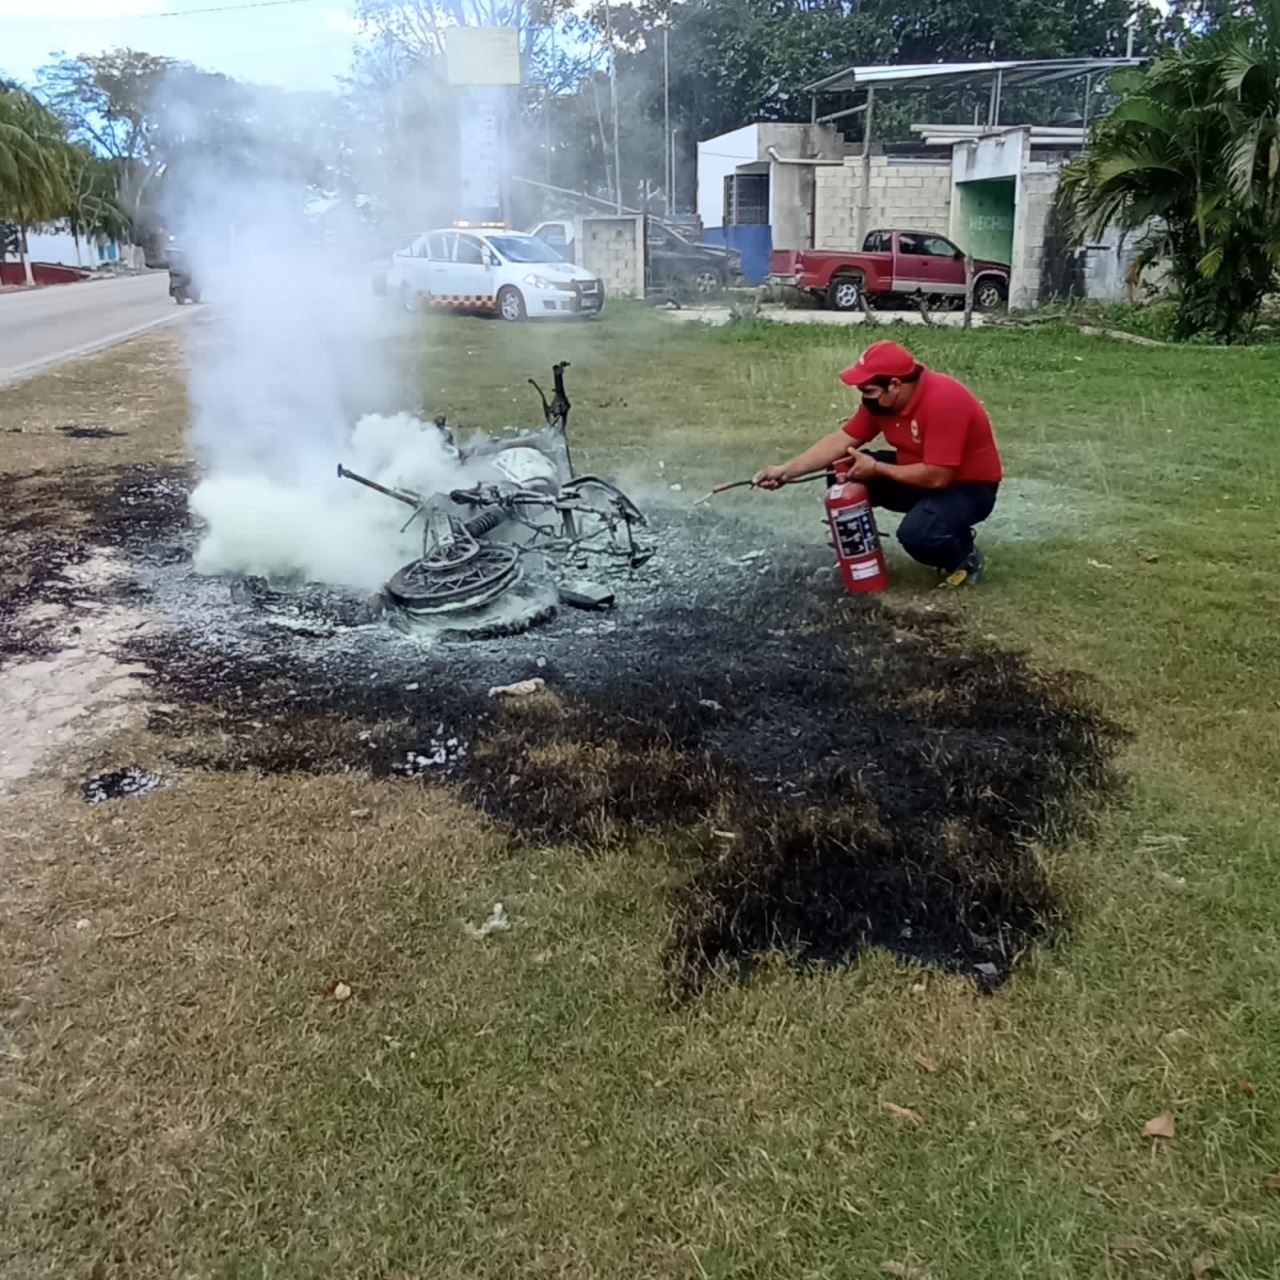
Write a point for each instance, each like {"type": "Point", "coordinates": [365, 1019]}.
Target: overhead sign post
{"type": "Point", "coordinates": [484, 66]}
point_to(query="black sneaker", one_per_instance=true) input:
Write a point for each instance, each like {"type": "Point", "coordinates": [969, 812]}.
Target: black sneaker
{"type": "Point", "coordinates": [967, 574]}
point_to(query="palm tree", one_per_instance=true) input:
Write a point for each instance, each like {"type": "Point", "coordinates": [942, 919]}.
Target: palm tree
{"type": "Point", "coordinates": [34, 162]}
{"type": "Point", "coordinates": [93, 209]}
{"type": "Point", "coordinates": [1191, 156]}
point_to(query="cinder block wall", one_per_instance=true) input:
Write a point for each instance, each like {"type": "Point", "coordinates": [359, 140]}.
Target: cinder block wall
{"type": "Point", "coordinates": [915, 196]}
{"type": "Point", "coordinates": [613, 249]}
{"type": "Point", "coordinates": [1035, 198]}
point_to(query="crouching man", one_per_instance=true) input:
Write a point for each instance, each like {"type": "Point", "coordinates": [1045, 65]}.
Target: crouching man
{"type": "Point", "coordinates": [943, 471]}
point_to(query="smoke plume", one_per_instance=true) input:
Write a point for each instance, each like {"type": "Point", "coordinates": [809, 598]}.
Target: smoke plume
{"type": "Point", "coordinates": [291, 349]}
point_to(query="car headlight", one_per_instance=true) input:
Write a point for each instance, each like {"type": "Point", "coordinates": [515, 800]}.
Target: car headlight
{"type": "Point", "coordinates": [537, 282]}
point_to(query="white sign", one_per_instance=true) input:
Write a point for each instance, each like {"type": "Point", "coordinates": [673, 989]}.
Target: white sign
{"type": "Point", "coordinates": [482, 55]}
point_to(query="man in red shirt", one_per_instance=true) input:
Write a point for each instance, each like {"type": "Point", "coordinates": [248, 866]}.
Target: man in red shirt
{"type": "Point", "coordinates": [944, 468]}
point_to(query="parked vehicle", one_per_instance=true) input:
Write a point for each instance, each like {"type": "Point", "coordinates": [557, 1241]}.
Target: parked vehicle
{"type": "Point", "coordinates": [891, 264]}
{"type": "Point", "coordinates": [518, 276]}
{"type": "Point", "coordinates": [672, 260]}
{"type": "Point", "coordinates": [182, 285]}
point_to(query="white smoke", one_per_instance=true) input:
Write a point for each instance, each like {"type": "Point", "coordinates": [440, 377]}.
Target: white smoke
{"type": "Point", "coordinates": [327, 529]}
{"type": "Point", "coordinates": [293, 354]}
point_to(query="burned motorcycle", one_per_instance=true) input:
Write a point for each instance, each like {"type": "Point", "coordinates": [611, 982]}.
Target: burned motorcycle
{"type": "Point", "coordinates": [531, 507]}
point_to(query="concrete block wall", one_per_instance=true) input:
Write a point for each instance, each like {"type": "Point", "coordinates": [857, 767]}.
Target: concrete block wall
{"type": "Point", "coordinates": [1035, 196]}
{"type": "Point", "coordinates": [613, 249]}
{"type": "Point", "coordinates": [909, 195]}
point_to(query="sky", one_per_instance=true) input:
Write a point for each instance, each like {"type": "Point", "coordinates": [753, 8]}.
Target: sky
{"type": "Point", "coordinates": [297, 44]}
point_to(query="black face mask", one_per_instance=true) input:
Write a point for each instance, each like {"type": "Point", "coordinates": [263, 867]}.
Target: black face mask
{"type": "Point", "coordinates": [874, 406]}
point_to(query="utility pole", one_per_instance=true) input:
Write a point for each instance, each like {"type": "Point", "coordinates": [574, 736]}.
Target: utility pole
{"type": "Point", "coordinates": [613, 93]}
{"type": "Point", "coordinates": [546, 107]}
{"type": "Point", "coordinates": [668, 180]}
{"type": "Point", "coordinates": [675, 133]}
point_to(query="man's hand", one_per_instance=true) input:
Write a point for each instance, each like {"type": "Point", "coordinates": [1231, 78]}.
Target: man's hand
{"type": "Point", "coordinates": [861, 466]}
{"type": "Point", "coordinates": [771, 477]}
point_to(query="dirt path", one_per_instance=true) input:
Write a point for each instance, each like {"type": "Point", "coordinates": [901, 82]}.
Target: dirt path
{"type": "Point", "coordinates": [80, 688]}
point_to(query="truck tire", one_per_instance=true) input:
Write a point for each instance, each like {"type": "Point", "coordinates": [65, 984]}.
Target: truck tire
{"type": "Point", "coordinates": [990, 293]}
{"type": "Point", "coordinates": [511, 304]}
{"type": "Point", "coordinates": [845, 293]}
{"type": "Point", "coordinates": [408, 299]}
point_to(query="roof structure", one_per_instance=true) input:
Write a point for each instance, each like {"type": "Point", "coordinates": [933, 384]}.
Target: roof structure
{"type": "Point", "coordinates": [925, 75]}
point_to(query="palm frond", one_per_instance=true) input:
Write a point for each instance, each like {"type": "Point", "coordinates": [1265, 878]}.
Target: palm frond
{"type": "Point", "coordinates": [1241, 163]}
{"type": "Point", "coordinates": [1211, 263]}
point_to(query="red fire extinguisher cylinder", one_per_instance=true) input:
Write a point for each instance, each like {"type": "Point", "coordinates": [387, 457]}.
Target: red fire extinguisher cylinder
{"type": "Point", "coordinates": [854, 537]}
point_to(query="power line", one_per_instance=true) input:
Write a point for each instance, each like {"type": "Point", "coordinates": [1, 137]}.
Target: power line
{"type": "Point", "coordinates": [81, 19]}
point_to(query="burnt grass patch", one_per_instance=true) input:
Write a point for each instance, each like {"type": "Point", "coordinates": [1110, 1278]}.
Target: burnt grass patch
{"type": "Point", "coordinates": [52, 522]}
{"type": "Point", "coordinates": [826, 773]}
{"type": "Point", "coordinates": [853, 779]}
{"type": "Point", "coordinates": [37, 549]}
{"type": "Point", "coordinates": [73, 431]}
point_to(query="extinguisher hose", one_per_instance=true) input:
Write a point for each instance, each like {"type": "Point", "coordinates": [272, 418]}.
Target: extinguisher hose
{"type": "Point", "coordinates": [743, 484]}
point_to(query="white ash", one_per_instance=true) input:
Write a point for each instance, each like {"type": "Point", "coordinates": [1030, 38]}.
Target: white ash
{"type": "Point", "coordinates": [439, 753]}
{"type": "Point", "coordinates": [120, 783]}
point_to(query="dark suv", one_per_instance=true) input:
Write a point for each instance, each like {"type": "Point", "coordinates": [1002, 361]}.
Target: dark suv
{"type": "Point", "coordinates": [674, 262]}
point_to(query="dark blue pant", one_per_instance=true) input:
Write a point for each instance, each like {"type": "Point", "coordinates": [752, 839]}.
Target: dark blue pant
{"type": "Point", "coordinates": [937, 529]}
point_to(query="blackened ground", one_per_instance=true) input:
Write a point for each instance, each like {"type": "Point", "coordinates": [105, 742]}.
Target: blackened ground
{"type": "Point", "coordinates": [834, 773]}
{"type": "Point", "coordinates": [36, 552]}
{"type": "Point", "coordinates": [49, 523]}
{"type": "Point", "coordinates": [75, 432]}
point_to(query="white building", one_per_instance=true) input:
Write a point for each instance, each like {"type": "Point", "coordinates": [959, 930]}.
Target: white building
{"type": "Point", "coordinates": [60, 247]}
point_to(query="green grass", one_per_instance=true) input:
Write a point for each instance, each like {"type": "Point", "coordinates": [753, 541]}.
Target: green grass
{"type": "Point", "coordinates": [531, 1106]}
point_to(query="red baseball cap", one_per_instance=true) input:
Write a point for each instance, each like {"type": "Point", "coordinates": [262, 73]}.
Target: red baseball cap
{"type": "Point", "coordinates": [882, 359]}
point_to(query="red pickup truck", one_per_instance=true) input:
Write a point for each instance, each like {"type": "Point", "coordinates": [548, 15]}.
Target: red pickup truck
{"type": "Point", "coordinates": [903, 264]}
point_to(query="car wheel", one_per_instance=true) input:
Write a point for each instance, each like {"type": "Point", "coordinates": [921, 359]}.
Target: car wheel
{"type": "Point", "coordinates": [990, 293]}
{"type": "Point", "coordinates": [707, 280]}
{"type": "Point", "coordinates": [511, 304]}
{"type": "Point", "coordinates": [845, 293]}
{"type": "Point", "coordinates": [408, 299]}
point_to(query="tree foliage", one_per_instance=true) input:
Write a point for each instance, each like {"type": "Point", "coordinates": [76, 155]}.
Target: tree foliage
{"type": "Point", "coordinates": [93, 209]}
{"type": "Point", "coordinates": [155, 127]}
{"type": "Point", "coordinates": [45, 177]}
{"type": "Point", "coordinates": [34, 183]}
{"type": "Point", "coordinates": [1191, 155]}
{"type": "Point", "coordinates": [113, 103]}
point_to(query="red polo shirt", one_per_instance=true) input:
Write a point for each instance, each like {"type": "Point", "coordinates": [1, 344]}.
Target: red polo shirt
{"type": "Point", "coordinates": [943, 425]}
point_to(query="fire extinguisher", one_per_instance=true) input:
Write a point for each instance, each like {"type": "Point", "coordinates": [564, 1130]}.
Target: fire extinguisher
{"type": "Point", "coordinates": [854, 536]}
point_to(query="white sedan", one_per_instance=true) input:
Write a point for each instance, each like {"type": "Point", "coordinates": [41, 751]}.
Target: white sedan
{"type": "Point", "coordinates": [509, 272]}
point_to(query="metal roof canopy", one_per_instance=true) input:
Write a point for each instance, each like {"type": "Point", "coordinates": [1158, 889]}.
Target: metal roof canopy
{"type": "Point", "coordinates": [952, 75]}
{"type": "Point", "coordinates": [921, 75]}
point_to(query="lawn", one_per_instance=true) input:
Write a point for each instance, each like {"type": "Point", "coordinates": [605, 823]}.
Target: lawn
{"type": "Point", "coordinates": [179, 1098]}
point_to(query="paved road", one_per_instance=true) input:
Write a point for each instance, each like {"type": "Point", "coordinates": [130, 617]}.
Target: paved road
{"type": "Point", "coordinates": [40, 328]}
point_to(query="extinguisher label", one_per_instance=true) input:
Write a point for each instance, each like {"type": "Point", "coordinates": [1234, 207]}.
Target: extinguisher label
{"type": "Point", "coordinates": [855, 531]}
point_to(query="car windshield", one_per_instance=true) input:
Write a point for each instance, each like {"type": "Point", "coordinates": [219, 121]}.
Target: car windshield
{"type": "Point", "coordinates": [524, 249]}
